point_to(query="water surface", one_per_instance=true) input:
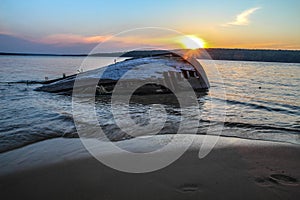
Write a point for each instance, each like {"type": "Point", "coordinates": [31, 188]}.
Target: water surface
{"type": "Point", "coordinates": [262, 101]}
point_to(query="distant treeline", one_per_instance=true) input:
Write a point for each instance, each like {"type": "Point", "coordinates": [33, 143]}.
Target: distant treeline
{"type": "Point", "coordinates": [287, 56]}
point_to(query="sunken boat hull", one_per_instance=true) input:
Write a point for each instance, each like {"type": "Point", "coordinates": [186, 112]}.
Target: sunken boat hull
{"type": "Point", "coordinates": [161, 74]}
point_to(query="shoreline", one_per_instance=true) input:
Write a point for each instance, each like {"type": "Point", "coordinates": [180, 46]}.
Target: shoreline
{"type": "Point", "coordinates": [255, 55]}
{"type": "Point", "coordinates": [75, 136]}
{"type": "Point", "coordinates": [236, 168]}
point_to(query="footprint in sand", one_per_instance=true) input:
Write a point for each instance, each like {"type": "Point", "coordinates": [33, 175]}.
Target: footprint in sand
{"type": "Point", "coordinates": [189, 188]}
{"type": "Point", "coordinates": [276, 179]}
{"type": "Point", "coordinates": [284, 179]}
{"type": "Point", "coordinates": [263, 182]}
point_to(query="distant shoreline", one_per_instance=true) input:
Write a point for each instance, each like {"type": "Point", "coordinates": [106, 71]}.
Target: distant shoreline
{"type": "Point", "coordinates": [260, 55]}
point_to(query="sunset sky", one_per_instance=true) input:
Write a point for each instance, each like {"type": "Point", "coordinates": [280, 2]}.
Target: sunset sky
{"type": "Point", "coordinates": [62, 26]}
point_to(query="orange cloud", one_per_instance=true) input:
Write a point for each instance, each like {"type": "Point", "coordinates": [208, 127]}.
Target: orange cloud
{"type": "Point", "coordinates": [68, 39]}
{"type": "Point", "coordinates": [72, 39]}
{"type": "Point", "coordinates": [140, 39]}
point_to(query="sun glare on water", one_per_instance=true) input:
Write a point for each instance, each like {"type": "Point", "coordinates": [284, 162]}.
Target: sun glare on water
{"type": "Point", "coordinates": [192, 42]}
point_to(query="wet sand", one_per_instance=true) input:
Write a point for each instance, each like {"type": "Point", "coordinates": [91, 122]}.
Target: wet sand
{"type": "Point", "coordinates": [235, 169]}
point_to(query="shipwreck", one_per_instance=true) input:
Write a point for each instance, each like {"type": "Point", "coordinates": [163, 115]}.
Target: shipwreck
{"type": "Point", "coordinates": [168, 69]}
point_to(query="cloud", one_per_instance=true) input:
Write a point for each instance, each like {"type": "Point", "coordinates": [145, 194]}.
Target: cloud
{"type": "Point", "coordinates": [10, 43]}
{"type": "Point", "coordinates": [71, 39]}
{"type": "Point", "coordinates": [242, 19]}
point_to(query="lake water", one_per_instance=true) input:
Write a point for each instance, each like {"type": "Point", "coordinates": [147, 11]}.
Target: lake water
{"type": "Point", "coordinates": [262, 101]}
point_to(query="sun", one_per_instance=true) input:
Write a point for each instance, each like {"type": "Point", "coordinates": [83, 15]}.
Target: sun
{"type": "Point", "coordinates": [191, 42]}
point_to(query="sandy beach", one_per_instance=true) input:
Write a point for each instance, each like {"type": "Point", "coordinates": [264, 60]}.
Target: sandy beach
{"type": "Point", "coordinates": [235, 169]}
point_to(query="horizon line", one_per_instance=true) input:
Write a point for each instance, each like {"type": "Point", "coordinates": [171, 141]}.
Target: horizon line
{"type": "Point", "coordinates": [116, 52]}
